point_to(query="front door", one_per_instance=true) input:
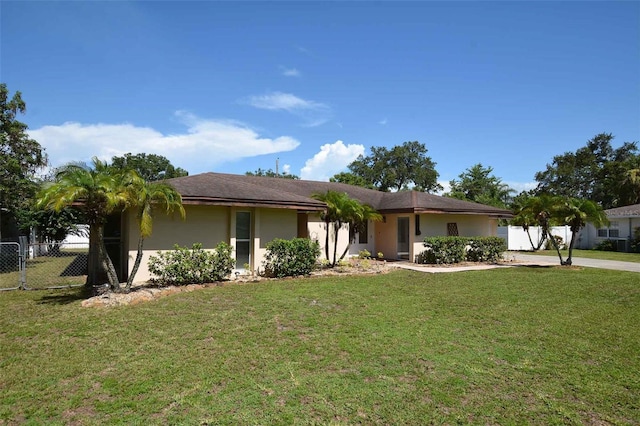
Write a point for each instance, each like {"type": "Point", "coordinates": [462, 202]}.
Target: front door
{"type": "Point", "coordinates": [403, 238]}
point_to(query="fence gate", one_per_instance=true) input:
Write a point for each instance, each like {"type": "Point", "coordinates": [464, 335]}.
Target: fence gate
{"type": "Point", "coordinates": [55, 265]}
{"type": "Point", "coordinates": [11, 266]}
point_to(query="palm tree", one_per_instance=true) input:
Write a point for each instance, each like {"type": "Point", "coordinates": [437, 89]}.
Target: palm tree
{"type": "Point", "coordinates": [577, 213]}
{"type": "Point", "coordinates": [340, 207]}
{"type": "Point", "coordinates": [100, 190]}
{"type": "Point", "coordinates": [525, 218]}
{"type": "Point", "coordinates": [145, 197]}
{"type": "Point", "coordinates": [357, 220]}
{"type": "Point", "coordinates": [542, 211]}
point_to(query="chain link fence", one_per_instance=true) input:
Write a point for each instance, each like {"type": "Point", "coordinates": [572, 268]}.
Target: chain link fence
{"type": "Point", "coordinates": [11, 277]}
{"type": "Point", "coordinates": [56, 265]}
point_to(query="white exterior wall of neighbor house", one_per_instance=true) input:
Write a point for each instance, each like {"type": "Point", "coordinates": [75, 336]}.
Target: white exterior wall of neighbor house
{"type": "Point", "coordinates": [624, 226]}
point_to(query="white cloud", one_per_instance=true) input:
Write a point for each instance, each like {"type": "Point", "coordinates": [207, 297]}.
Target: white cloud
{"type": "Point", "coordinates": [204, 144]}
{"type": "Point", "coordinates": [282, 101]}
{"type": "Point", "coordinates": [286, 168]}
{"type": "Point", "coordinates": [383, 122]}
{"type": "Point", "coordinates": [522, 186]}
{"type": "Point", "coordinates": [290, 72]}
{"type": "Point", "coordinates": [446, 187]}
{"type": "Point", "coordinates": [332, 159]}
{"type": "Point", "coordinates": [313, 113]}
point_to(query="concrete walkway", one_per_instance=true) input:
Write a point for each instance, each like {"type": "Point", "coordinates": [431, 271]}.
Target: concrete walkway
{"type": "Point", "coordinates": [523, 259]}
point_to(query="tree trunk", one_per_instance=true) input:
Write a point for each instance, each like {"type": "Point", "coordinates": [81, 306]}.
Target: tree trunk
{"type": "Point", "coordinates": [136, 264]}
{"type": "Point", "coordinates": [573, 238]}
{"type": "Point", "coordinates": [554, 243]}
{"type": "Point", "coordinates": [533, 247]}
{"type": "Point", "coordinates": [93, 260]}
{"type": "Point", "coordinates": [336, 228]}
{"type": "Point", "coordinates": [108, 267]}
{"type": "Point", "coordinates": [352, 236]}
{"type": "Point", "coordinates": [100, 267]}
{"type": "Point", "coordinates": [326, 242]}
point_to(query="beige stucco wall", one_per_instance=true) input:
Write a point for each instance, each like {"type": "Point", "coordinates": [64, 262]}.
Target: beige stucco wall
{"type": "Point", "coordinates": [204, 224]}
{"type": "Point", "coordinates": [318, 232]}
{"type": "Point", "coordinates": [209, 225]}
{"type": "Point", "coordinates": [270, 224]}
{"type": "Point", "coordinates": [435, 225]}
{"type": "Point", "coordinates": [386, 240]}
{"type": "Point", "coordinates": [370, 246]}
{"type": "Point", "coordinates": [431, 225]}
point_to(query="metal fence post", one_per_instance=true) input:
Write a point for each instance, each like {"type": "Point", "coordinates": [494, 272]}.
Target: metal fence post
{"type": "Point", "coordinates": [22, 259]}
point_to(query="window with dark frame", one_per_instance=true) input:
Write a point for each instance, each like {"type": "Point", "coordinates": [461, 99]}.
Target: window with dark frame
{"type": "Point", "coordinates": [363, 235]}
{"type": "Point", "coordinates": [452, 229]}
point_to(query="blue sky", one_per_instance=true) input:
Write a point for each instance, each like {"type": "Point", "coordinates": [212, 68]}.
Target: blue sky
{"type": "Point", "coordinates": [232, 86]}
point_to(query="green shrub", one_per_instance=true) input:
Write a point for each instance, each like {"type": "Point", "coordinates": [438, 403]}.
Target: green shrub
{"type": "Point", "coordinates": [485, 249]}
{"type": "Point", "coordinates": [634, 246]}
{"type": "Point", "coordinates": [443, 250]}
{"type": "Point", "coordinates": [194, 265]}
{"type": "Point", "coordinates": [288, 258]}
{"type": "Point", "coordinates": [447, 250]}
{"type": "Point", "coordinates": [607, 245]}
{"type": "Point", "coordinates": [364, 254]}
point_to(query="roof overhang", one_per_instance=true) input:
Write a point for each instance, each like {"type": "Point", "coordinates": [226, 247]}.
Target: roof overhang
{"type": "Point", "coordinates": [208, 201]}
{"type": "Point", "coordinates": [497, 215]}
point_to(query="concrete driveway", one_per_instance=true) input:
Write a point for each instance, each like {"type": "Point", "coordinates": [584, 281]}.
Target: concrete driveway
{"type": "Point", "coordinates": [519, 259]}
{"type": "Point", "coordinates": [577, 261]}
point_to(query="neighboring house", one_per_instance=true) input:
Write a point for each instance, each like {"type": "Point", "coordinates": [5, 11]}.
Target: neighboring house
{"type": "Point", "coordinates": [622, 223]}
{"type": "Point", "coordinates": [249, 211]}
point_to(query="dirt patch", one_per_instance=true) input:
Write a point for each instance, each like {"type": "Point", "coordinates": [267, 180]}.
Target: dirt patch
{"type": "Point", "coordinates": [147, 292]}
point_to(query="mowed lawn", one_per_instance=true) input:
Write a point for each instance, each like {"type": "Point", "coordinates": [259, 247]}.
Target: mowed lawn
{"type": "Point", "coordinates": [511, 346]}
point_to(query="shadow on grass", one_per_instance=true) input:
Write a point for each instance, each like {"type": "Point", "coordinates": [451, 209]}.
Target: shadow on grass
{"type": "Point", "coordinates": [65, 297]}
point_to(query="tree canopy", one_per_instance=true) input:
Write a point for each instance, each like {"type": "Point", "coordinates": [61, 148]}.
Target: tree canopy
{"type": "Point", "coordinates": [479, 185]}
{"type": "Point", "coordinates": [20, 156]}
{"type": "Point", "coordinates": [402, 167]}
{"type": "Point", "coordinates": [351, 179]}
{"type": "Point", "coordinates": [271, 173]}
{"type": "Point", "coordinates": [596, 172]}
{"type": "Point", "coordinates": [150, 167]}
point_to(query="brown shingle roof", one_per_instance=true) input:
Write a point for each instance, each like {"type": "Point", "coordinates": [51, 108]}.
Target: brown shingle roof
{"type": "Point", "coordinates": [624, 211]}
{"type": "Point", "coordinates": [228, 189]}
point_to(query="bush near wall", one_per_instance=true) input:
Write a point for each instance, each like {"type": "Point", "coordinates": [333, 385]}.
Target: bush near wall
{"type": "Point", "coordinates": [288, 258]}
{"type": "Point", "coordinates": [447, 250]}
{"type": "Point", "coordinates": [183, 265]}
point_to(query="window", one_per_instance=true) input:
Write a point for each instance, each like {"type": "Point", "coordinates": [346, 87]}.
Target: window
{"type": "Point", "coordinates": [611, 232]}
{"type": "Point", "coordinates": [418, 232]}
{"type": "Point", "coordinates": [452, 229]}
{"type": "Point", "coordinates": [243, 239]}
{"type": "Point", "coordinates": [363, 235]}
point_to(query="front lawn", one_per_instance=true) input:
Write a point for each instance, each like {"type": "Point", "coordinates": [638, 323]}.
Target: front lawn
{"type": "Point", "coordinates": [508, 346]}
{"type": "Point", "coordinates": [592, 254]}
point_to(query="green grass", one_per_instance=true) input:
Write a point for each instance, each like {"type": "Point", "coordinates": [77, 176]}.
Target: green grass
{"type": "Point", "coordinates": [593, 254]}
{"type": "Point", "coordinates": [511, 346]}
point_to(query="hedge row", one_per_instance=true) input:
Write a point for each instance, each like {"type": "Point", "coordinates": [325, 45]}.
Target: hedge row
{"type": "Point", "coordinates": [460, 249]}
